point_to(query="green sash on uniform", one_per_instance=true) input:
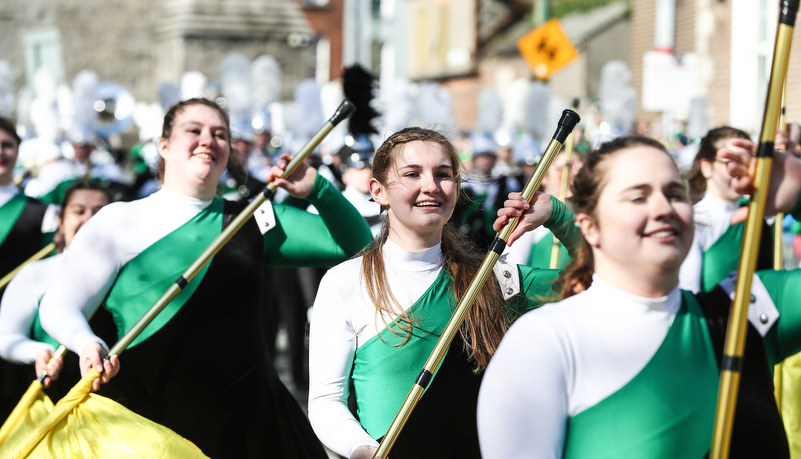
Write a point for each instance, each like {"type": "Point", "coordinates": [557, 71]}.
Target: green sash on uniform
{"type": "Point", "coordinates": [9, 213]}
{"type": "Point", "coordinates": [384, 373]}
{"type": "Point", "coordinates": [722, 257]}
{"type": "Point", "coordinates": [150, 274]}
{"type": "Point", "coordinates": [540, 256]}
{"type": "Point", "coordinates": [667, 411]}
{"type": "Point", "coordinates": [38, 333]}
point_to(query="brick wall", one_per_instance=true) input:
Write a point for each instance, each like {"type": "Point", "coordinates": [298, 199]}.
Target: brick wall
{"type": "Point", "coordinates": [643, 18]}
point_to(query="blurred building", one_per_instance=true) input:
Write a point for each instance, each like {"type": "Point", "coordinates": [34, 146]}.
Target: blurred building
{"type": "Point", "coordinates": [695, 59]}
{"type": "Point", "coordinates": [141, 44]}
{"type": "Point", "coordinates": [467, 45]}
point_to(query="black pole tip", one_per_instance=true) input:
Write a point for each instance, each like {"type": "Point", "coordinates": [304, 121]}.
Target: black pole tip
{"type": "Point", "coordinates": [568, 121]}
{"type": "Point", "coordinates": [788, 9]}
{"type": "Point", "coordinates": [345, 109]}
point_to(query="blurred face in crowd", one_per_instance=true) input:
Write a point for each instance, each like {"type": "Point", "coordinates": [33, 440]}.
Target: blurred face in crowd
{"type": "Point", "coordinates": [358, 179]}
{"type": "Point", "coordinates": [82, 151]}
{"type": "Point", "coordinates": [82, 205]}
{"type": "Point", "coordinates": [718, 180]}
{"type": "Point", "coordinates": [9, 148]}
{"type": "Point", "coordinates": [484, 163]}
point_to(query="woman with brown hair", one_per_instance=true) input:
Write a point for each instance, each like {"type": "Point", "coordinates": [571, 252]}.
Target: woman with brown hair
{"type": "Point", "coordinates": [718, 231]}
{"type": "Point", "coordinates": [22, 340]}
{"type": "Point", "coordinates": [627, 365]}
{"type": "Point", "coordinates": [201, 367]}
{"type": "Point", "coordinates": [377, 317]}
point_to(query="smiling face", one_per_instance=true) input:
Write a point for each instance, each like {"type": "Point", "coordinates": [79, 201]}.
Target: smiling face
{"type": "Point", "coordinates": [9, 148]}
{"type": "Point", "coordinates": [419, 193]}
{"type": "Point", "coordinates": [643, 223]}
{"type": "Point", "coordinates": [82, 205]}
{"type": "Point", "coordinates": [196, 152]}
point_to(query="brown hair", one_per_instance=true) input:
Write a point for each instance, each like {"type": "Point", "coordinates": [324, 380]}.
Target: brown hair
{"type": "Point", "coordinates": [587, 187]}
{"type": "Point", "coordinates": [488, 319]}
{"type": "Point", "coordinates": [169, 123]}
{"type": "Point", "coordinates": [8, 126]}
{"type": "Point", "coordinates": [708, 151]}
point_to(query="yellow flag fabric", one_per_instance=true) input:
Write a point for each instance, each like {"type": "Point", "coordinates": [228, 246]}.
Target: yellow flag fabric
{"type": "Point", "coordinates": [791, 402]}
{"type": "Point", "coordinates": [86, 425]}
{"type": "Point", "coordinates": [34, 406]}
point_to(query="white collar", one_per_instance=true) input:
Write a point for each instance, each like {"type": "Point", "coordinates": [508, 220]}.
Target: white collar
{"type": "Point", "coordinates": [710, 201]}
{"type": "Point", "coordinates": [429, 259]}
{"type": "Point", "coordinates": [668, 303]}
{"type": "Point", "coordinates": [167, 195]}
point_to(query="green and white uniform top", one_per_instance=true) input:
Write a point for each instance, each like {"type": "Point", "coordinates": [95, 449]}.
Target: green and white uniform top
{"type": "Point", "coordinates": [712, 220]}
{"type": "Point", "coordinates": [344, 341]}
{"type": "Point", "coordinates": [351, 342]}
{"type": "Point", "coordinates": [11, 202]}
{"type": "Point", "coordinates": [608, 374]}
{"type": "Point", "coordinates": [122, 231]}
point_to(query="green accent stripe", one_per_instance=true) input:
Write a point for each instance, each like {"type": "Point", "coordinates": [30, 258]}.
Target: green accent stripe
{"type": "Point", "coordinates": [540, 256]}
{"type": "Point", "coordinates": [150, 274]}
{"type": "Point", "coordinates": [721, 258]}
{"type": "Point", "coordinates": [9, 214]}
{"type": "Point", "coordinates": [666, 411]}
{"type": "Point", "coordinates": [384, 370]}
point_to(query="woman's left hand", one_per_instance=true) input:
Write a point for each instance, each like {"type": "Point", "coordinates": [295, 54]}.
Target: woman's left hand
{"type": "Point", "coordinates": [42, 361]}
{"type": "Point", "coordinates": [92, 357]}
{"type": "Point", "coordinates": [785, 176]}
{"type": "Point", "coordinates": [532, 215]}
{"type": "Point", "coordinates": [299, 184]}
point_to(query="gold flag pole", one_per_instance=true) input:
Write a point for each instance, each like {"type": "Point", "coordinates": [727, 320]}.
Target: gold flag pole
{"type": "Point", "coordinates": [60, 411]}
{"type": "Point", "coordinates": [566, 124]}
{"type": "Point", "coordinates": [778, 258]}
{"type": "Point", "coordinates": [37, 256]}
{"type": "Point", "coordinates": [731, 361]}
{"type": "Point", "coordinates": [563, 184]}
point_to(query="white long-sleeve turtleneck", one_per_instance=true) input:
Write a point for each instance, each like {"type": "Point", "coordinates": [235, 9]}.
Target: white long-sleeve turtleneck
{"type": "Point", "coordinates": [712, 218]}
{"type": "Point", "coordinates": [19, 308]}
{"type": "Point", "coordinates": [109, 240]}
{"type": "Point", "coordinates": [342, 320]}
{"type": "Point", "coordinates": [564, 358]}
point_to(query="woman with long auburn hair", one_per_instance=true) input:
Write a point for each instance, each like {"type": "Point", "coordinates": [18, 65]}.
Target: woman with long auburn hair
{"type": "Point", "coordinates": [627, 364]}
{"type": "Point", "coordinates": [377, 317]}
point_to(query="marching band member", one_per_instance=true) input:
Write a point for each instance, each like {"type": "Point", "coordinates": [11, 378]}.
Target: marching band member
{"type": "Point", "coordinates": [201, 367]}
{"type": "Point", "coordinates": [377, 317]}
{"type": "Point", "coordinates": [22, 340]}
{"type": "Point", "coordinates": [26, 226]}
{"type": "Point", "coordinates": [627, 364]}
{"type": "Point", "coordinates": [716, 244]}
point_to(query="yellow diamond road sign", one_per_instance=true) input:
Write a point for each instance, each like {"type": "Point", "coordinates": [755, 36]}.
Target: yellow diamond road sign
{"type": "Point", "coordinates": [547, 49]}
